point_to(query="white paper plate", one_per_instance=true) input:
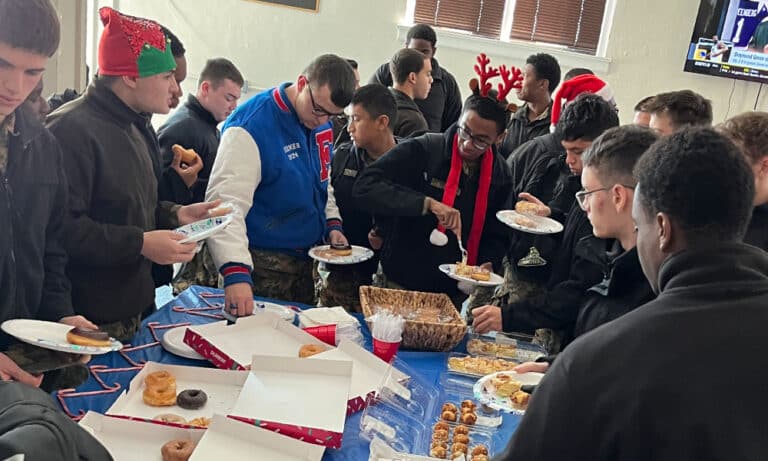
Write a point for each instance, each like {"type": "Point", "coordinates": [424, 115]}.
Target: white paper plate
{"type": "Point", "coordinates": [173, 342]}
{"type": "Point", "coordinates": [450, 271]}
{"type": "Point", "coordinates": [322, 253]}
{"type": "Point", "coordinates": [200, 230]}
{"type": "Point", "coordinates": [52, 335]}
{"type": "Point", "coordinates": [543, 225]}
{"type": "Point", "coordinates": [484, 393]}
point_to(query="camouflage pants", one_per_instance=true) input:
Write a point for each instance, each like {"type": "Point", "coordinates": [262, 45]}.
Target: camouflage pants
{"type": "Point", "coordinates": [123, 330]}
{"type": "Point", "coordinates": [280, 276]}
{"type": "Point", "coordinates": [512, 290]}
{"type": "Point", "coordinates": [200, 271]}
{"type": "Point", "coordinates": [342, 288]}
{"type": "Point", "coordinates": [67, 373]}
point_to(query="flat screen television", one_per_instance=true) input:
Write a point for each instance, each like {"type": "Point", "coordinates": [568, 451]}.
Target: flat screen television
{"type": "Point", "coordinates": [730, 39]}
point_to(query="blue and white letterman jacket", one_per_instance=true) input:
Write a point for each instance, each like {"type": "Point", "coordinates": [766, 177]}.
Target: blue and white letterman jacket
{"type": "Point", "coordinates": [275, 170]}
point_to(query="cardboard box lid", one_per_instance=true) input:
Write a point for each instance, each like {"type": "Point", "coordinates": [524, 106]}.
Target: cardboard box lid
{"type": "Point", "coordinates": [297, 392]}
{"type": "Point", "coordinates": [130, 440]}
{"type": "Point", "coordinates": [222, 387]}
{"type": "Point", "coordinates": [368, 371]}
{"type": "Point", "coordinates": [263, 333]}
{"type": "Point", "coordinates": [237, 441]}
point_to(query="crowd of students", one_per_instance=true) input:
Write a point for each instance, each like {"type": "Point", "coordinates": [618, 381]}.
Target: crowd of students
{"type": "Point", "coordinates": [651, 302]}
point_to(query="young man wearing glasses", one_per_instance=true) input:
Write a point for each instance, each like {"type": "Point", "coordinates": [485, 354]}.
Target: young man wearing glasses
{"type": "Point", "coordinates": [608, 188]}
{"type": "Point", "coordinates": [273, 164]}
{"type": "Point", "coordinates": [411, 183]}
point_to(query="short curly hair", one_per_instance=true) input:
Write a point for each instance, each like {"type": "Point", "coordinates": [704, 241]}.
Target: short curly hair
{"type": "Point", "coordinates": [699, 178]}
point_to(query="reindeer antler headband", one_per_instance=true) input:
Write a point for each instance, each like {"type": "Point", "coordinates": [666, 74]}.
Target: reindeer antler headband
{"type": "Point", "coordinates": [511, 78]}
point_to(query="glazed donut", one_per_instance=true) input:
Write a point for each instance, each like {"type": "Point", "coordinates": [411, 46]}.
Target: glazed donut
{"type": "Point", "coordinates": [449, 416]}
{"type": "Point", "coordinates": [341, 250]}
{"type": "Point", "coordinates": [177, 450]}
{"type": "Point", "coordinates": [170, 418]}
{"type": "Point", "coordinates": [469, 418]}
{"type": "Point", "coordinates": [191, 399]}
{"type": "Point", "coordinates": [461, 429]}
{"type": "Point", "coordinates": [309, 350]}
{"type": "Point", "coordinates": [480, 450]}
{"type": "Point", "coordinates": [88, 337]}
{"type": "Point", "coordinates": [160, 390]}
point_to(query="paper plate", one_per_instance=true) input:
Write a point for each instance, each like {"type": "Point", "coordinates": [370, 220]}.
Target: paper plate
{"type": "Point", "coordinates": [200, 230]}
{"type": "Point", "coordinates": [450, 271]}
{"type": "Point", "coordinates": [543, 225]}
{"type": "Point", "coordinates": [323, 253]}
{"type": "Point", "coordinates": [173, 342]}
{"type": "Point", "coordinates": [484, 392]}
{"type": "Point", "coordinates": [52, 335]}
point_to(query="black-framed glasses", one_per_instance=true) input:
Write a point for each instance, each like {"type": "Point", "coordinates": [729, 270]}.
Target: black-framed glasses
{"type": "Point", "coordinates": [317, 110]}
{"type": "Point", "coordinates": [467, 135]}
{"type": "Point", "coordinates": [581, 196]}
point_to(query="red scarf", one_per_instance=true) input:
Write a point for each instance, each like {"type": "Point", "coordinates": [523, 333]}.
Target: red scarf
{"type": "Point", "coordinates": [481, 199]}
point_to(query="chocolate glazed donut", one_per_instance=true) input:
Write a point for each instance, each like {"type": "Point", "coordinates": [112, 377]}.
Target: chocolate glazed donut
{"type": "Point", "coordinates": [191, 399]}
{"type": "Point", "coordinates": [90, 334]}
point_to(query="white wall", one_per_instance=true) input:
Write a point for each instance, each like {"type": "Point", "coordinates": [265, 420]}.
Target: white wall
{"type": "Point", "coordinates": [646, 47]}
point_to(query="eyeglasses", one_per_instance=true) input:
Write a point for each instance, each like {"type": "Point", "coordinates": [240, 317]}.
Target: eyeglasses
{"type": "Point", "coordinates": [467, 135]}
{"type": "Point", "coordinates": [581, 196]}
{"type": "Point", "coordinates": [318, 111]}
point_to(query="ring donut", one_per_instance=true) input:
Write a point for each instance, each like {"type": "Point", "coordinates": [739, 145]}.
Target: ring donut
{"type": "Point", "coordinates": [309, 350]}
{"type": "Point", "coordinates": [191, 399]}
{"type": "Point", "coordinates": [177, 450]}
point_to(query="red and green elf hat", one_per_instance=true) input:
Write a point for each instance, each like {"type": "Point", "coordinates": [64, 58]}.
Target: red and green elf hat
{"type": "Point", "coordinates": [134, 47]}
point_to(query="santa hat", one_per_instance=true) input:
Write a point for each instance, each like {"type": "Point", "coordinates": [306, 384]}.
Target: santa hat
{"type": "Point", "coordinates": [570, 89]}
{"type": "Point", "coordinates": [134, 47]}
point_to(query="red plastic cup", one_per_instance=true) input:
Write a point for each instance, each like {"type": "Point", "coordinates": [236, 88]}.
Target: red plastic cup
{"type": "Point", "coordinates": [325, 333]}
{"type": "Point", "coordinates": [384, 350]}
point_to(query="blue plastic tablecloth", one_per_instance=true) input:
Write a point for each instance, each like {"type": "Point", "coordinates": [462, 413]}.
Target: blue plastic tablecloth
{"type": "Point", "coordinates": [428, 366]}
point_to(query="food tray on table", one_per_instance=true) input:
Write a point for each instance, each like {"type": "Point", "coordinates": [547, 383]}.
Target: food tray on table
{"type": "Point", "coordinates": [477, 366]}
{"type": "Point", "coordinates": [432, 323]}
{"type": "Point", "coordinates": [456, 389]}
{"type": "Point", "coordinates": [462, 425]}
{"type": "Point", "coordinates": [512, 346]}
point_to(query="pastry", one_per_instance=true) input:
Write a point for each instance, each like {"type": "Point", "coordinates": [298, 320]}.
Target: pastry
{"type": "Point", "coordinates": [440, 435]}
{"type": "Point", "coordinates": [461, 438]}
{"type": "Point", "coordinates": [479, 450]}
{"type": "Point", "coordinates": [461, 429]}
{"type": "Point", "coordinates": [468, 404]}
{"type": "Point", "coordinates": [520, 398]}
{"type": "Point", "coordinates": [478, 346]}
{"type": "Point", "coordinates": [525, 222]}
{"type": "Point", "coordinates": [88, 337]}
{"type": "Point", "coordinates": [479, 366]}
{"type": "Point", "coordinates": [505, 385]}
{"type": "Point", "coordinates": [442, 425]}
{"type": "Point", "coordinates": [529, 208]}
{"type": "Point", "coordinates": [341, 250]}
{"type": "Point", "coordinates": [479, 458]}
{"type": "Point", "coordinates": [450, 407]}
{"type": "Point", "coordinates": [473, 272]}
{"type": "Point", "coordinates": [170, 418]}
{"type": "Point", "coordinates": [458, 456]}
{"type": "Point", "coordinates": [200, 422]}
{"type": "Point", "coordinates": [438, 452]}
{"type": "Point", "coordinates": [439, 443]}
{"type": "Point", "coordinates": [177, 450]}
{"type": "Point", "coordinates": [449, 416]}
{"type": "Point", "coordinates": [459, 448]}
{"type": "Point", "coordinates": [467, 410]}
{"type": "Point", "coordinates": [188, 156]}
{"type": "Point", "coordinates": [160, 389]}
{"type": "Point", "coordinates": [469, 418]}
{"type": "Point", "coordinates": [309, 350]}
{"type": "Point", "coordinates": [191, 399]}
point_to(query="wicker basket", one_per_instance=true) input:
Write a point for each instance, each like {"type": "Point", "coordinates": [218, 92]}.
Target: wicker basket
{"type": "Point", "coordinates": [419, 335]}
